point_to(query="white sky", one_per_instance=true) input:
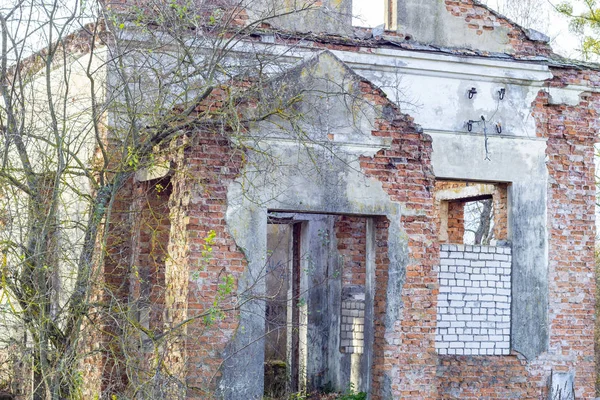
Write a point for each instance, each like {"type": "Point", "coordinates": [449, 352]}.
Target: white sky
{"type": "Point", "coordinates": [368, 13]}
{"type": "Point", "coordinates": [552, 23]}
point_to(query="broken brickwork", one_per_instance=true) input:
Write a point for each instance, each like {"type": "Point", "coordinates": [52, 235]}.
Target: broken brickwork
{"type": "Point", "coordinates": [480, 18]}
{"type": "Point", "coordinates": [207, 163]}
{"type": "Point", "coordinates": [350, 233]}
{"type": "Point", "coordinates": [147, 286]}
{"type": "Point", "coordinates": [571, 133]}
{"type": "Point", "coordinates": [406, 348]}
{"type": "Point", "coordinates": [456, 221]}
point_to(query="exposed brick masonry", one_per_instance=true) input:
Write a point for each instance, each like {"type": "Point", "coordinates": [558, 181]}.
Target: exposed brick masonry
{"type": "Point", "coordinates": [350, 233]}
{"type": "Point", "coordinates": [456, 221]}
{"type": "Point", "coordinates": [480, 18]}
{"type": "Point", "coordinates": [351, 244]}
{"type": "Point", "coordinates": [405, 353]}
{"type": "Point", "coordinates": [571, 132]}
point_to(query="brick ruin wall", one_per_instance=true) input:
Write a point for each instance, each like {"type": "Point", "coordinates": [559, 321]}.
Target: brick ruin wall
{"type": "Point", "coordinates": [206, 162]}
{"type": "Point", "coordinates": [352, 335]}
{"type": "Point", "coordinates": [398, 350]}
{"type": "Point", "coordinates": [149, 211]}
{"type": "Point", "coordinates": [197, 206]}
{"type": "Point", "coordinates": [173, 216]}
{"type": "Point", "coordinates": [147, 284]}
{"type": "Point", "coordinates": [570, 132]}
{"type": "Point", "coordinates": [404, 356]}
{"type": "Point", "coordinates": [105, 363]}
{"type": "Point", "coordinates": [456, 222]}
{"type": "Point", "coordinates": [351, 237]}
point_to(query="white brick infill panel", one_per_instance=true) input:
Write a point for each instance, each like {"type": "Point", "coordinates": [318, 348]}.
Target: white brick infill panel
{"type": "Point", "coordinates": [473, 312]}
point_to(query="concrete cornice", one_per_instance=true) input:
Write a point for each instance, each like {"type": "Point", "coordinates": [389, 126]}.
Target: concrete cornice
{"type": "Point", "coordinates": [412, 62]}
{"type": "Point", "coordinates": [494, 135]}
{"type": "Point", "coordinates": [443, 65]}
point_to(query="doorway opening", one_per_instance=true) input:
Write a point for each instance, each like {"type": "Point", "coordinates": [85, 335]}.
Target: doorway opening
{"type": "Point", "coordinates": [319, 293]}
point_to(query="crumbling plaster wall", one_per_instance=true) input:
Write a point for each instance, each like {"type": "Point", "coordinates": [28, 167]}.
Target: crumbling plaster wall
{"type": "Point", "coordinates": [323, 16]}
{"type": "Point", "coordinates": [568, 132]}
{"type": "Point", "coordinates": [295, 182]}
{"type": "Point", "coordinates": [290, 179]}
{"type": "Point", "coordinates": [466, 24]}
{"type": "Point", "coordinates": [433, 90]}
{"type": "Point", "coordinates": [440, 104]}
{"type": "Point", "coordinates": [337, 185]}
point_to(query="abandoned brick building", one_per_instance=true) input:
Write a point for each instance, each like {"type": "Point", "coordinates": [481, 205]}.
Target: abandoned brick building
{"type": "Point", "coordinates": [348, 251]}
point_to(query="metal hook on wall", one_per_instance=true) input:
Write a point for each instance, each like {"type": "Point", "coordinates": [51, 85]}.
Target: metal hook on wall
{"type": "Point", "coordinates": [499, 127]}
{"type": "Point", "coordinates": [470, 126]}
{"type": "Point", "coordinates": [501, 93]}
{"type": "Point", "coordinates": [472, 93]}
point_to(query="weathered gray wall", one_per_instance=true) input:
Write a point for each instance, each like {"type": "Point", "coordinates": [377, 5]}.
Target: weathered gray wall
{"type": "Point", "coordinates": [301, 176]}
{"type": "Point", "coordinates": [327, 16]}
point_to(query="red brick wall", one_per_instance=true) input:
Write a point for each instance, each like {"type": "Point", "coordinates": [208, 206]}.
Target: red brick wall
{"type": "Point", "coordinates": [407, 350]}
{"type": "Point", "coordinates": [500, 197]}
{"type": "Point", "coordinates": [351, 233]}
{"type": "Point", "coordinates": [399, 353]}
{"type": "Point", "coordinates": [456, 221]}
{"type": "Point", "coordinates": [208, 164]}
{"type": "Point", "coordinates": [486, 377]}
{"type": "Point", "coordinates": [404, 357]}
{"type": "Point", "coordinates": [148, 278]}
{"type": "Point", "coordinates": [406, 354]}
{"type": "Point", "coordinates": [571, 132]}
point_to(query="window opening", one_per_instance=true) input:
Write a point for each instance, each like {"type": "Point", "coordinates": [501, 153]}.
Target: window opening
{"type": "Point", "coordinates": [479, 221]}
{"type": "Point", "coordinates": [474, 275]}
{"type": "Point", "coordinates": [472, 213]}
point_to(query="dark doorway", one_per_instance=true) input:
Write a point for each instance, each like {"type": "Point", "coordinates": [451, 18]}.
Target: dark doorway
{"type": "Point", "coordinates": [318, 303]}
{"type": "Point", "coordinates": [282, 283]}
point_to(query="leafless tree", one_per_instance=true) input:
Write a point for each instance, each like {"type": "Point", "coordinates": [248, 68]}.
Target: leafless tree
{"type": "Point", "coordinates": [91, 93]}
